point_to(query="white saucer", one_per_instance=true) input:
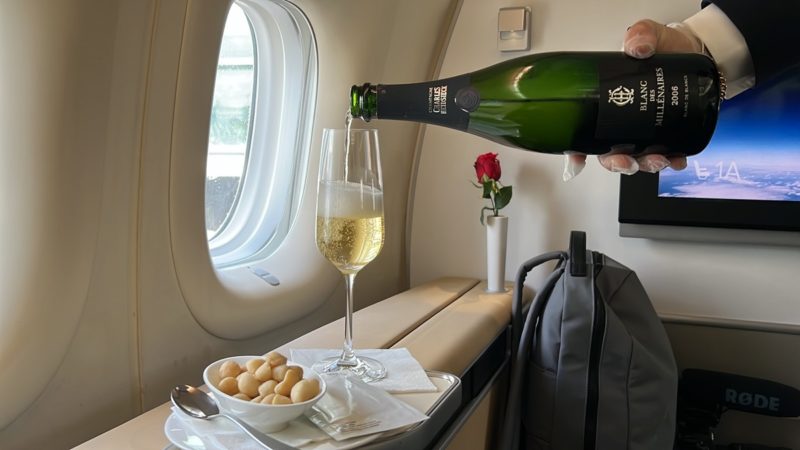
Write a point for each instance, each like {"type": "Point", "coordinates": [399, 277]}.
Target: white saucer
{"type": "Point", "coordinates": [178, 436]}
{"type": "Point", "coordinates": [186, 439]}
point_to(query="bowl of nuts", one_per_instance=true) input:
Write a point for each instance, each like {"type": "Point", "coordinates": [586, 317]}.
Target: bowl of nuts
{"type": "Point", "coordinates": [265, 391]}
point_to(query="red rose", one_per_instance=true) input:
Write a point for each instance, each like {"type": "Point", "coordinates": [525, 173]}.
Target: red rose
{"type": "Point", "coordinates": [487, 164]}
{"type": "Point", "coordinates": [487, 169]}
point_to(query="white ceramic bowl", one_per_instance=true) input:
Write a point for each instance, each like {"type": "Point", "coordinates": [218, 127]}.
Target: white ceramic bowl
{"type": "Point", "coordinates": [266, 418]}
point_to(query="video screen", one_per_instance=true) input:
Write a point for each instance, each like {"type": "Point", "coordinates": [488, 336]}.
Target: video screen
{"type": "Point", "coordinates": [754, 153]}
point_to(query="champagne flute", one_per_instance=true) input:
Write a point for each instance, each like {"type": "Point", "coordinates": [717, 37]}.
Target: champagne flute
{"type": "Point", "coordinates": [350, 228]}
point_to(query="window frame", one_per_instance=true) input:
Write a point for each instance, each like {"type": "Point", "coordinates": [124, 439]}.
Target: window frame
{"type": "Point", "coordinates": [273, 180]}
{"type": "Point", "coordinates": [276, 285]}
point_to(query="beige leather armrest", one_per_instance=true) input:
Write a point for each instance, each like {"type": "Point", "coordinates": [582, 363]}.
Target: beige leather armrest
{"type": "Point", "coordinates": [384, 323]}
{"type": "Point", "coordinates": [453, 339]}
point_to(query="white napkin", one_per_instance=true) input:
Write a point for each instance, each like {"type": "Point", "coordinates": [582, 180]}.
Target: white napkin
{"type": "Point", "coordinates": [404, 374]}
{"type": "Point", "coordinates": [221, 433]}
{"type": "Point", "coordinates": [351, 408]}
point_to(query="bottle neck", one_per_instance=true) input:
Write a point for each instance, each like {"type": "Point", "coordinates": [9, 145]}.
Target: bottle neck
{"type": "Point", "coordinates": [364, 101]}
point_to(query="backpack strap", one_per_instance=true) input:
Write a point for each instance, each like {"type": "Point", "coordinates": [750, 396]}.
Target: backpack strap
{"type": "Point", "coordinates": [522, 340]}
{"type": "Point", "coordinates": [516, 304]}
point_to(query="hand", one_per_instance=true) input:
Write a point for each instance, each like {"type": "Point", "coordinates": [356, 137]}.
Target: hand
{"type": "Point", "coordinates": [642, 40]}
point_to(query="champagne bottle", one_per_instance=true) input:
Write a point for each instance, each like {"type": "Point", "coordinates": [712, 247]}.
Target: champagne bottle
{"type": "Point", "coordinates": [566, 101]}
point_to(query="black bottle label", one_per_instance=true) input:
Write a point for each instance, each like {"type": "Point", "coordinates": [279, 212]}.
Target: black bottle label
{"type": "Point", "coordinates": [644, 100]}
{"type": "Point", "coordinates": [433, 102]}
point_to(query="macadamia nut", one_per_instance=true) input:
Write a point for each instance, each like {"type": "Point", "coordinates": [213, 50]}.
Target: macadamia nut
{"type": "Point", "coordinates": [229, 369]}
{"type": "Point", "coordinates": [278, 372]}
{"type": "Point", "coordinates": [304, 390]}
{"type": "Point", "coordinates": [254, 364]}
{"type": "Point", "coordinates": [267, 387]}
{"type": "Point", "coordinates": [264, 372]}
{"type": "Point", "coordinates": [248, 384]}
{"type": "Point", "coordinates": [281, 400]}
{"type": "Point", "coordinates": [298, 369]}
{"type": "Point", "coordinates": [275, 359]}
{"type": "Point", "coordinates": [229, 385]}
{"type": "Point", "coordinates": [289, 380]}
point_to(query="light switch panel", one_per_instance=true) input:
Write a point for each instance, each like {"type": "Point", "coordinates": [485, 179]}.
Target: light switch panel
{"type": "Point", "coordinates": [513, 29]}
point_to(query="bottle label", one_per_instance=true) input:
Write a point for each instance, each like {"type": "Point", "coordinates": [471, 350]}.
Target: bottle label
{"type": "Point", "coordinates": [433, 102]}
{"type": "Point", "coordinates": [644, 99]}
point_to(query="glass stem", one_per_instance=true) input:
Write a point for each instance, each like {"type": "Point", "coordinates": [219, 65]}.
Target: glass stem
{"type": "Point", "coordinates": [348, 357]}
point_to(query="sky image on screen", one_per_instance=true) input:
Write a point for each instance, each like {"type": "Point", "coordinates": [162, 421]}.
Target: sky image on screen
{"type": "Point", "coordinates": [754, 153]}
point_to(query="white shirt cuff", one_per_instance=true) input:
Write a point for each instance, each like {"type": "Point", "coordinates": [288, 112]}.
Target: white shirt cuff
{"type": "Point", "coordinates": [726, 45]}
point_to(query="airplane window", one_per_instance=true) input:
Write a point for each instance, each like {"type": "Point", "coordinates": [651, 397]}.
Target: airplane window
{"type": "Point", "coordinates": [260, 130]}
{"type": "Point", "coordinates": [231, 115]}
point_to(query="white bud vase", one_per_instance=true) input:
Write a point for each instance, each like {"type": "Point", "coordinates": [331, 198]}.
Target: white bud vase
{"type": "Point", "coordinates": [496, 239]}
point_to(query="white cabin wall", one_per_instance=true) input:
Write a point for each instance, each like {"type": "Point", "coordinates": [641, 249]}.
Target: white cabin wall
{"type": "Point", "coordinates": [70, 118]}
{"type": "Point", "coordinates": [383, 42]}
{"type": "Point", "coordinates": [752, 282]}
{"type": "Point", "coordinates": [119, 333]}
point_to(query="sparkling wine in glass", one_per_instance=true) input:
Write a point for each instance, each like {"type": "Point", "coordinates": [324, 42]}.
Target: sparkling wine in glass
{"type": "Point", "coordinates": [350, 228]}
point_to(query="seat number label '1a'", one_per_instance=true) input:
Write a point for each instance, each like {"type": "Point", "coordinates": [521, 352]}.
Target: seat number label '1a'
{"type": "Point", "coordinates": [636, 104]}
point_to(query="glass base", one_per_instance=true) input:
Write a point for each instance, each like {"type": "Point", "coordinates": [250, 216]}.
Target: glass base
{"type": "Point", "coordinates": [367, 369]}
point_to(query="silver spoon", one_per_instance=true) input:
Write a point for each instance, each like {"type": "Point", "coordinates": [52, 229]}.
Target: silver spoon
{"type": "Point", "coordinates": [201, 405]}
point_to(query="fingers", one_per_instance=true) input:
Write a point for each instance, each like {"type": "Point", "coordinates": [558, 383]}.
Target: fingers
{"type": "Point", "coordinates": [653, 163]}
{"type": "Point", "coordinates": [618, 162]}
{"type": "Point", "coordinates": [646, 37]}
{"type": "Point", "coordinates": [677, 162]}
{"type": "Point", "coordinates": [573, 165]}
{"type": "Point", "coordinates": [641, 39]}
{"type": "Point", "coordinates": [622, 163]}
{"type": "Point", "coordinates": [648, 163]}
{"type": "Point", "coordinates": [656, 163]}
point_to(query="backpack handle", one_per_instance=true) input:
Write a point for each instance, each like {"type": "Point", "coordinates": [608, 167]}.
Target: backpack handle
{"type": "Point", "coordinates": [577, 254]}
{"type": "Point", "coordinates": [517, 305]}
{"type": "Point", "coordinates": [522, 341]}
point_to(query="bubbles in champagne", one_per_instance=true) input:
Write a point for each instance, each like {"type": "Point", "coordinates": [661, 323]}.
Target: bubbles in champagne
{"type": "Point", "coordinates": [350, 226]}
{"type": "Point", "coordinates": [350, 243]}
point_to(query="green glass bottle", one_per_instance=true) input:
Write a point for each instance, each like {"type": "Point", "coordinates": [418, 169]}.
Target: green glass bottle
{"type": "Point", "coordinates": [566, 101]}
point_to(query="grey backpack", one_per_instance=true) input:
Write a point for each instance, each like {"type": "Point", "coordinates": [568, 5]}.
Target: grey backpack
{"type": "Point", "coordinates": [592, 367]}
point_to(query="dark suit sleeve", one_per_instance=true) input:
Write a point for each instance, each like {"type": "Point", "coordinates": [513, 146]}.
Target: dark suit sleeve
{"type": "Point", "coordinates": [771, 29]}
